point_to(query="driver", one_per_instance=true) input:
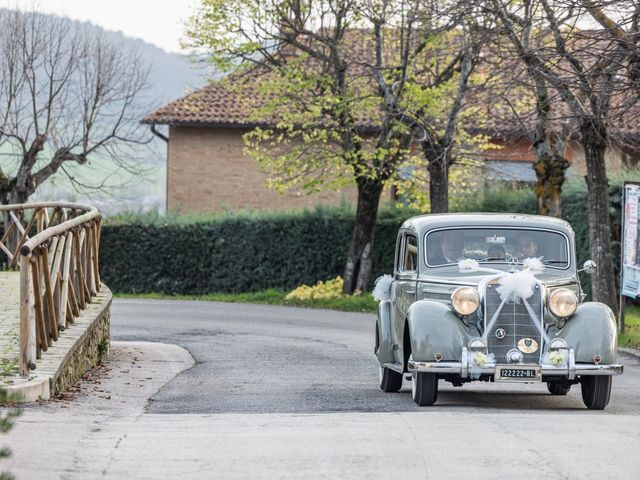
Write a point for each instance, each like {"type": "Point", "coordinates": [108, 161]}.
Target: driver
{"type": "Point", "coordinates": [526, 247]}
{"type": "Point", "coordinates": [451, 245]}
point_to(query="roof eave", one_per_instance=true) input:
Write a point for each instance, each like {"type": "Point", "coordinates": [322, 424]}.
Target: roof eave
{"type": "Point", "coordinates": [238, 125]}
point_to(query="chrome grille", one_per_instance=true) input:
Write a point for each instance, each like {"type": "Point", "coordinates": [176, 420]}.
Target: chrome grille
{"type": "Point", "coordinates": [516, 323]}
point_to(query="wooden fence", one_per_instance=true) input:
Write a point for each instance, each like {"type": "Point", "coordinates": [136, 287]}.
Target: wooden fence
{"type": "Point", "coordinates": [55, 246]}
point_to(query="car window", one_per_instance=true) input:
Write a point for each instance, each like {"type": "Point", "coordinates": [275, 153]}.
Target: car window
{"type": "Point", "coordinates": [399, 253]}
{"type": "Point", "coordinates": [496, 245]}
{"type": "Point", "coordinates": [410, 255]}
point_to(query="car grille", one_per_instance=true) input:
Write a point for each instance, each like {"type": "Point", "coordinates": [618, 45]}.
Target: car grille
{"type": "Point", "coordinates": [515, 324]}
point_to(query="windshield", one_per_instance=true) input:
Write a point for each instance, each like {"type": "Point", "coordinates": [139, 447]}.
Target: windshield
{"type": "Point", "coordinates": [496, 245]}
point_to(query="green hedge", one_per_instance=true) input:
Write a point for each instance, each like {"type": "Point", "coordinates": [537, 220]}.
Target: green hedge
{"type": "Point", "coordinates": [253, 252]}
{"type": "Point", "coordinates": [225, 255]}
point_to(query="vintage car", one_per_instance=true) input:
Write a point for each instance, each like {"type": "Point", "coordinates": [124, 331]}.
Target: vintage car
{"type": "Point", "coordinates": [492, 297]}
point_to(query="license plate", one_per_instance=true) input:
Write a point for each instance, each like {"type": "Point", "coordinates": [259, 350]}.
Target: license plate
{"type": "Point", "coordinates": [518, 374]}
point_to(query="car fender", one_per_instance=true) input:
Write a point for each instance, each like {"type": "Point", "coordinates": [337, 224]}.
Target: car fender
{"type": "Point", "coordinates": [384, 327]}
{"type": "Point", "coordinates": [435, 328]}
{"type": "Point", "coordinates": [592, 331]}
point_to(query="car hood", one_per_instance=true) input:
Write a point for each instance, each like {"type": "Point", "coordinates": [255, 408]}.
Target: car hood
{"type": "Point", "coordinates": [449, 276]}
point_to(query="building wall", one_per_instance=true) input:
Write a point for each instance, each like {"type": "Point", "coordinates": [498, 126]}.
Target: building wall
{"type": "Point", "coordinates": [207, 172]}
{"type": "Point", "coordinates": [521, 151]}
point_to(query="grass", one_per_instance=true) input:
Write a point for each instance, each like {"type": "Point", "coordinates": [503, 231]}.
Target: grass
{"type": "Point", "coordinates": [631, 335]}
{"type": "Point", "coordinates": [357, 303]}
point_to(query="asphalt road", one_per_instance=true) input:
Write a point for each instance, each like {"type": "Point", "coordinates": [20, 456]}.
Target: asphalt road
{"type": "Point", "coordinates": [280, 393]}
{"type": "Point", "coordinates": [269, 359]}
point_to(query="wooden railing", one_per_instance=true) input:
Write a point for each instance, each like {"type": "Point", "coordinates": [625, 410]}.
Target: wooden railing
{"type": "Point", "coordinates": [56, 247]}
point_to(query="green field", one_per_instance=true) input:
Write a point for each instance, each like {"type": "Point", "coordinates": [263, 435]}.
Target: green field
{"type": "Point", "coordinates": [357, 303]}
{"type": "Point", "coordinates": [136, 185]}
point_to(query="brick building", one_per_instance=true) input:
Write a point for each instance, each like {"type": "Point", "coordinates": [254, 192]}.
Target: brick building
{"type": "Point", "coordinates": [207, 169]}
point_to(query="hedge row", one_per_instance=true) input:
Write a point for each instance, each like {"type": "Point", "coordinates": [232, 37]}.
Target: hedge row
{"type": "Point", "coordinates": [250, 253]}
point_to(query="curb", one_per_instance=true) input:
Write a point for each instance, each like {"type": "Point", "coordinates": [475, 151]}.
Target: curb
{"type": "Point", "coordinates": [632, 352]}
{"type": "Point", "coordinates": [29, 390]}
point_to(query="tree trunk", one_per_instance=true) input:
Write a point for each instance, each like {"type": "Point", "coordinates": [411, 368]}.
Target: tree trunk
{"type": "Point", "coordinates": [603, 281]}
{"type": "Point", "coordinates": [10, 194]}
{"type": "Point", "coordinates": [550, 175]}
{"type": "Point", "coordinates": [438, 178]}
{"type": "Point", "coordinates": [357, 272]}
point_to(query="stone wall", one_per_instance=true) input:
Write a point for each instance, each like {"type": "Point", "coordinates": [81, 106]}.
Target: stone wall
{"type": "Point", "coordinates": [90, 348]}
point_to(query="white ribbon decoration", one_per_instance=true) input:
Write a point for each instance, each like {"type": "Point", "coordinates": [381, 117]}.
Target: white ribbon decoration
{"type": "Point", "coordinates": [382, 290]}
{"type": "Point", "coordinates": [513, 286]}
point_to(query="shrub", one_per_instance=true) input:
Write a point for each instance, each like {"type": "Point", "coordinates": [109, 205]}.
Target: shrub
{"type": "Point", "coordinates": [321, 290]}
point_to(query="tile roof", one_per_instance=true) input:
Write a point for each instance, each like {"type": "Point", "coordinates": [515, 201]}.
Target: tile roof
{"type": "Point", "coordinates": [233, 101]}
{"type": "Point", "coordinates": [218, 103]}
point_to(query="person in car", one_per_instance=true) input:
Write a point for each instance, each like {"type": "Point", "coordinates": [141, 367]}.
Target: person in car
{"type": "Point", "coordinates": [451, 246]}
{"type": "Point", "coordinates": [526, 247]}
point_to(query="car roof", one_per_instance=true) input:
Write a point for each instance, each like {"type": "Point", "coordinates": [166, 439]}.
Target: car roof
{"type": "Point", "coordinates": [424, 223]}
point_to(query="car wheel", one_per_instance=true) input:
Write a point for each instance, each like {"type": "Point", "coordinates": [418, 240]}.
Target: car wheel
{"type": "Point", "coordinates": [424, 388]}
{"type": "Point", "coordinates": [556, 388]}
{"type": "Point", "coordinates": [596, 391]}
{"type": "Point", "coordinates": [390, 380]}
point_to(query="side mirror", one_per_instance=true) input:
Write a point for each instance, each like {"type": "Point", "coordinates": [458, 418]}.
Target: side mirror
{"type": "Point", "coordinates": [589, 267]}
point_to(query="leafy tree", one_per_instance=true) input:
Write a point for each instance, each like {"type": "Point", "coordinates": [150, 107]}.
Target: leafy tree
{"type": "Point", "coordinates": [319, 94]}
{"type": "Point", "coordinates": [338, 85]}
{"type": "Point", "coordinates": [424, 85]}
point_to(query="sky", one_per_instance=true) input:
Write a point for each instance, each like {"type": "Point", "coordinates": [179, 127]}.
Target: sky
{"type": "Point", "coordinates": [159, 22]}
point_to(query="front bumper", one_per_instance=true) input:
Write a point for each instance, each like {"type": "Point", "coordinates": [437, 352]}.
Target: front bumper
{"type": "Point", "coordinates": [464, 368]}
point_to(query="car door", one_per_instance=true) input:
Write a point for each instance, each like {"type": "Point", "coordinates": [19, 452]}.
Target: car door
{"type": "Point", "coordinates": [405, 287]}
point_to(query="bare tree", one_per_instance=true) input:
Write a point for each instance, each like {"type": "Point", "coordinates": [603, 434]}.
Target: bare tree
{"type": "Point", "coordinates": [66, 95]}
{"type": "Point", "coordinates": [589, 72]}
{"type": "Point", "coordinates": [547, 128]}
{"type": "Point", "coordinates": [621, 20]}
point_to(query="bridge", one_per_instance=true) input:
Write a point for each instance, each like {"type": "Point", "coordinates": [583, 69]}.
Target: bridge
{"type": "Point", "coordinates": [54, 311]}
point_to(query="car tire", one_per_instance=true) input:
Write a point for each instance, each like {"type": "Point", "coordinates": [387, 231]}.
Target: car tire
{"type": "Point", "coordinates": [424, 389]}
{"type": "Point", "coordinates": [390, 380]}
{"type": "Point", "coordinates": [556, 388]}
{"type": "Point", "coordinates": [596, 391]}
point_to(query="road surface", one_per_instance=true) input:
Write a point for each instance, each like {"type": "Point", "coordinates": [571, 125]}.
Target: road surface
{"type": "Point", "coordinates": [280, 392]}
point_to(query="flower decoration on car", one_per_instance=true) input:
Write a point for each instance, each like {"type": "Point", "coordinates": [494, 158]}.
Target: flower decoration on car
{"type": "Point", "coordinates": [479, 359]}
{"type": "Point", "coordinates": [468, 265]}
{"type": "Point", "coordinates": [557, 358]}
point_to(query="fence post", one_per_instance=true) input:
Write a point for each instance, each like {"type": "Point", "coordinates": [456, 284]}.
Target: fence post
{"type": "Point", "coordinates": [27, 317]}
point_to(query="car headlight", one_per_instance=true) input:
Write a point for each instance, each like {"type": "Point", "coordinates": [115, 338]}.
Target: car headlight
{"type": "Point", "coordinates": [465, 301]}
{"type": "Point", "coordinates": [557, 344]}
{"type": "Point", "coordinates": [563, 302]}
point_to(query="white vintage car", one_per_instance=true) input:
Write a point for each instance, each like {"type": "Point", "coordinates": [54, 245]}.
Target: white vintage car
{"type": "Point", "coordinates": [496, 298]}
